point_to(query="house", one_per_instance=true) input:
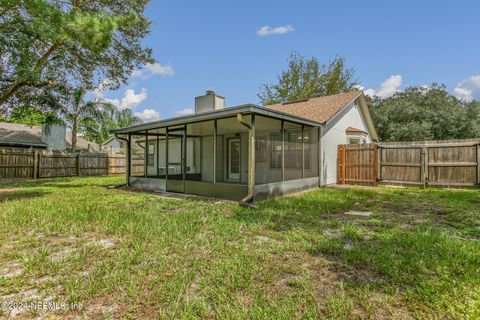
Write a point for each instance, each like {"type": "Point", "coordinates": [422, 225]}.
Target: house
{"type": "Point", "coordinates": [113, 145]}
{"type": "Point", "coordinates": [51, 137]}
{"type": "Point", "coordinates": [247, 152]}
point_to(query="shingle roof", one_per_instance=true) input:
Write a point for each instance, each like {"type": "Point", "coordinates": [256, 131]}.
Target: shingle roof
{"type": "Point", "coordinates": [20, 134]}
{"type": "Point", "coordinates": [319, 109]}
{"type": "Point", "coordinates": [355, 130]}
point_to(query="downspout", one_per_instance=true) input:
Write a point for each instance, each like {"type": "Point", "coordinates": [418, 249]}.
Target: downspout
{"type": "Point", "coordinates": [248, 199]}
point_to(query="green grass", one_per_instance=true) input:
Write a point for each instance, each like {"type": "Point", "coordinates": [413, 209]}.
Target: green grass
{"type": "Point", "coordinates": [129, 254]}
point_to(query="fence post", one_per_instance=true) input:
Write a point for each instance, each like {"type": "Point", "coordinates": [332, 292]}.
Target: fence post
{"type": "Point", "coordinates": [341, 164]}
{"type": "Point", "coordinates": [78, 165]}
{"type": "Point", "coordinates": [375, 164]}
{"type": "Point", "coordinates": [379, 163]}
{"type": "Point", "coordinates": [39, 170]}
{"type": "Point", "coordinates": [108, 164]}
{"type": "Point", "coordinates": [424, 166]}
{"type": "Point", "coordinates": [35, 164]}
{"type": "Point", "coordinates": [478, 164]}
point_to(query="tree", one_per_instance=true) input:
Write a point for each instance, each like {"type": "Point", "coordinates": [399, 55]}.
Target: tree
{"type": "Point", "coordinates": [77, 43]}
{"type": "Point", "coordinates": [306, 78]}
{"type": "Point", "coordinates": [420, 113]}
{"type": "Point", "coordinates": [81, 115]}
{"type": "Point", "coordinates": [29, 115]}
{"type": "Point", "coordinates": [111, 118]}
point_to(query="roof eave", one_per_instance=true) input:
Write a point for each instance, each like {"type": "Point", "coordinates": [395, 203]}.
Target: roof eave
{"type": "Point", "coordinates": [26, 144]}
{"type": "Point", "coordinates": [343, 107]}
{"type": "Point", "coordinates": [205, 116]}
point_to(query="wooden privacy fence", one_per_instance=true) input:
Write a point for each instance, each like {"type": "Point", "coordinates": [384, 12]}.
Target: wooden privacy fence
{"type": "Point", "coordinates": [18, 163]}
{"type": "Point", "coordinates": [357, 164]}
{"type": "Point", "coordinates": [434, 163]}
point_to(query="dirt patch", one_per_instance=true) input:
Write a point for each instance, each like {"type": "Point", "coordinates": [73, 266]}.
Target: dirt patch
{"type": "Point", "coordinates": [104, 243]}
{"type": "Point", "coordinates": [2, 191]}
{"type": "Point", "coordinates": [11, 270]}
{"type": "Point", "coordinates": [104, 308]}
{"type": "Point", "coordinates": [46, 287]}
{"type": "Point", "coordinates": [329, 277]}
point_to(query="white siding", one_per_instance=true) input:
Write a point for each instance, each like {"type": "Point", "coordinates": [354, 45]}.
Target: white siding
{"type": "Point", "coordinates": [334, 134]}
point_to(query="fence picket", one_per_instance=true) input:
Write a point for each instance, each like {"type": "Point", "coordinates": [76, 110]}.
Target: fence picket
{"type": "Point", "coordinates": [441, 163]}
{"type": "Point", "coordinates": [18, 163]}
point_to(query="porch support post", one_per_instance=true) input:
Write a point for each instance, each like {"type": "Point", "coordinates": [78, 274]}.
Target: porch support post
{"type": "Point", "coordinates": [145, 159]}
{"type": "Point", "coordinates": [158, 156]}
{"type": "Point", "coordinates": [184, 156]}
{"type": "Point", "coordinates": [303, 151]}
{"type": "Point", "coordinates": [166, 154]}
{"type": "Point", "coordinates": [251, 158]}
{"type": "Point", "coordinates": [283, 150]}
{"type": "Point", "coordinates": [215, 151]}
{"type": "Point", "coordinates": [129, 159]}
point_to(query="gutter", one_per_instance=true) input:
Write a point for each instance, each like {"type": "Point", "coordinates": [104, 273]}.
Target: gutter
{"type": "Point", "coordinates": [248, 199]}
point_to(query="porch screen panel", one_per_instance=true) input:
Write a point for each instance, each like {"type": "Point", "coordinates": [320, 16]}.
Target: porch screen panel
{"type": "Point", "coordinates": [174, 165]}
{"type": "Point", "coordinates": [137, 155]}
{"type": "Point", "coordinates": [268, 150]}
{"type": "Point", "coordinates": [310, 137]}
{"type": "Point", "coordinates": [232, 150]}
{"type": "Point", "coordinates": [199, 157]}
{"type": "Point", "coordinates": [293, 151]}
{"type": "Point", "coordinates": [156, 161]}
{"type": "Point", "coordinates": [152, 155]}
{"type": "Point", "coordinates": [162, 160]}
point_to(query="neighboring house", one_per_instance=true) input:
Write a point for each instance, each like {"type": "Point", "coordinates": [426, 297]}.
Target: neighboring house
{"type": "Point", "coordinates": [113, 145]}
{"type": "Point", "coordinates": [52, 137]}
{"type": "Point", "coordinates": [247, 152]}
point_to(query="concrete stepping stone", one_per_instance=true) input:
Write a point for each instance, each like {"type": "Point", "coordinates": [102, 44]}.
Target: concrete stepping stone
{"type": "Point", "coordinates": [359, 213]}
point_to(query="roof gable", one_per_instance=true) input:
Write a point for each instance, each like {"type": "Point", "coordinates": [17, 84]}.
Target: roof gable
{"type": "Point", "coordinates": [319, 109]}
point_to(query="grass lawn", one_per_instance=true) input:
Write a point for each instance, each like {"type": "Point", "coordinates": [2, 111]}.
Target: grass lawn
{"type": "Point", "coordinates": [121, 253]}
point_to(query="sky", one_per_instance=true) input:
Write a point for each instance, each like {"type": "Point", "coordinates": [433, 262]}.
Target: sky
{"type": "Point", "coordinates": [233, 47]}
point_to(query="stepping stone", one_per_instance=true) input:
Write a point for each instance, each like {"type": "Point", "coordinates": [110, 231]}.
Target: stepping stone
{"type": "Point", "coordinates": [359, 213]}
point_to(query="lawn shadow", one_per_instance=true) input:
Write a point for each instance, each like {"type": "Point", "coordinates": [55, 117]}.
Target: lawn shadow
{"type": "Point", "coordinates": [56, 183]}
{"type": "Point", "coordinates": [19, 194]}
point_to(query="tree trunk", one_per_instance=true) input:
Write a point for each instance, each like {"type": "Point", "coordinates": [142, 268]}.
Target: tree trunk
{"type": "Point", "coordinates": [74, 136]}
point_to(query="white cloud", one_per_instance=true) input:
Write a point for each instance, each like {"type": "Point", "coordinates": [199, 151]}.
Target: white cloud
{"type": "Point", "coordinates": [268, 31]}
{"type": "Point", "coordinates": [184, 112]}
{"type": "Point", "coordinates": [148, 115]}
{"type": "Point", "coordinates": [468, 89]}
{"type": "Point", "coordinates": [130, 99]}
{"type": "Point", "coordinates": [154, 69]}
{"type": "Point", "coordinates": [388, 87]}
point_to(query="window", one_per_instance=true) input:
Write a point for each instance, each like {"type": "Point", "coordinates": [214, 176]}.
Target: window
{"type": "Point", "coordinates": [353, 141]}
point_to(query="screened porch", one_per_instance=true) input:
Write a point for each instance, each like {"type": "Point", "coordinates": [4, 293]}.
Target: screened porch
{"type": "Point", "coordinates": [211, 158]}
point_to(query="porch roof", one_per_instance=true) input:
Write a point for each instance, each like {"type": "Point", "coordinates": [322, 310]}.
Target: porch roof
{"type": "Point", "coordinates": [219, 114]}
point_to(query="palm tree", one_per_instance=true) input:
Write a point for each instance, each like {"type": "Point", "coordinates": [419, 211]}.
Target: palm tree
{"type": "Point", "coordinates": [112, 118]}
{"type": "Point", "coordinates": [126, 118]}
{"type": "Point", "coordinates": [81, 115]}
